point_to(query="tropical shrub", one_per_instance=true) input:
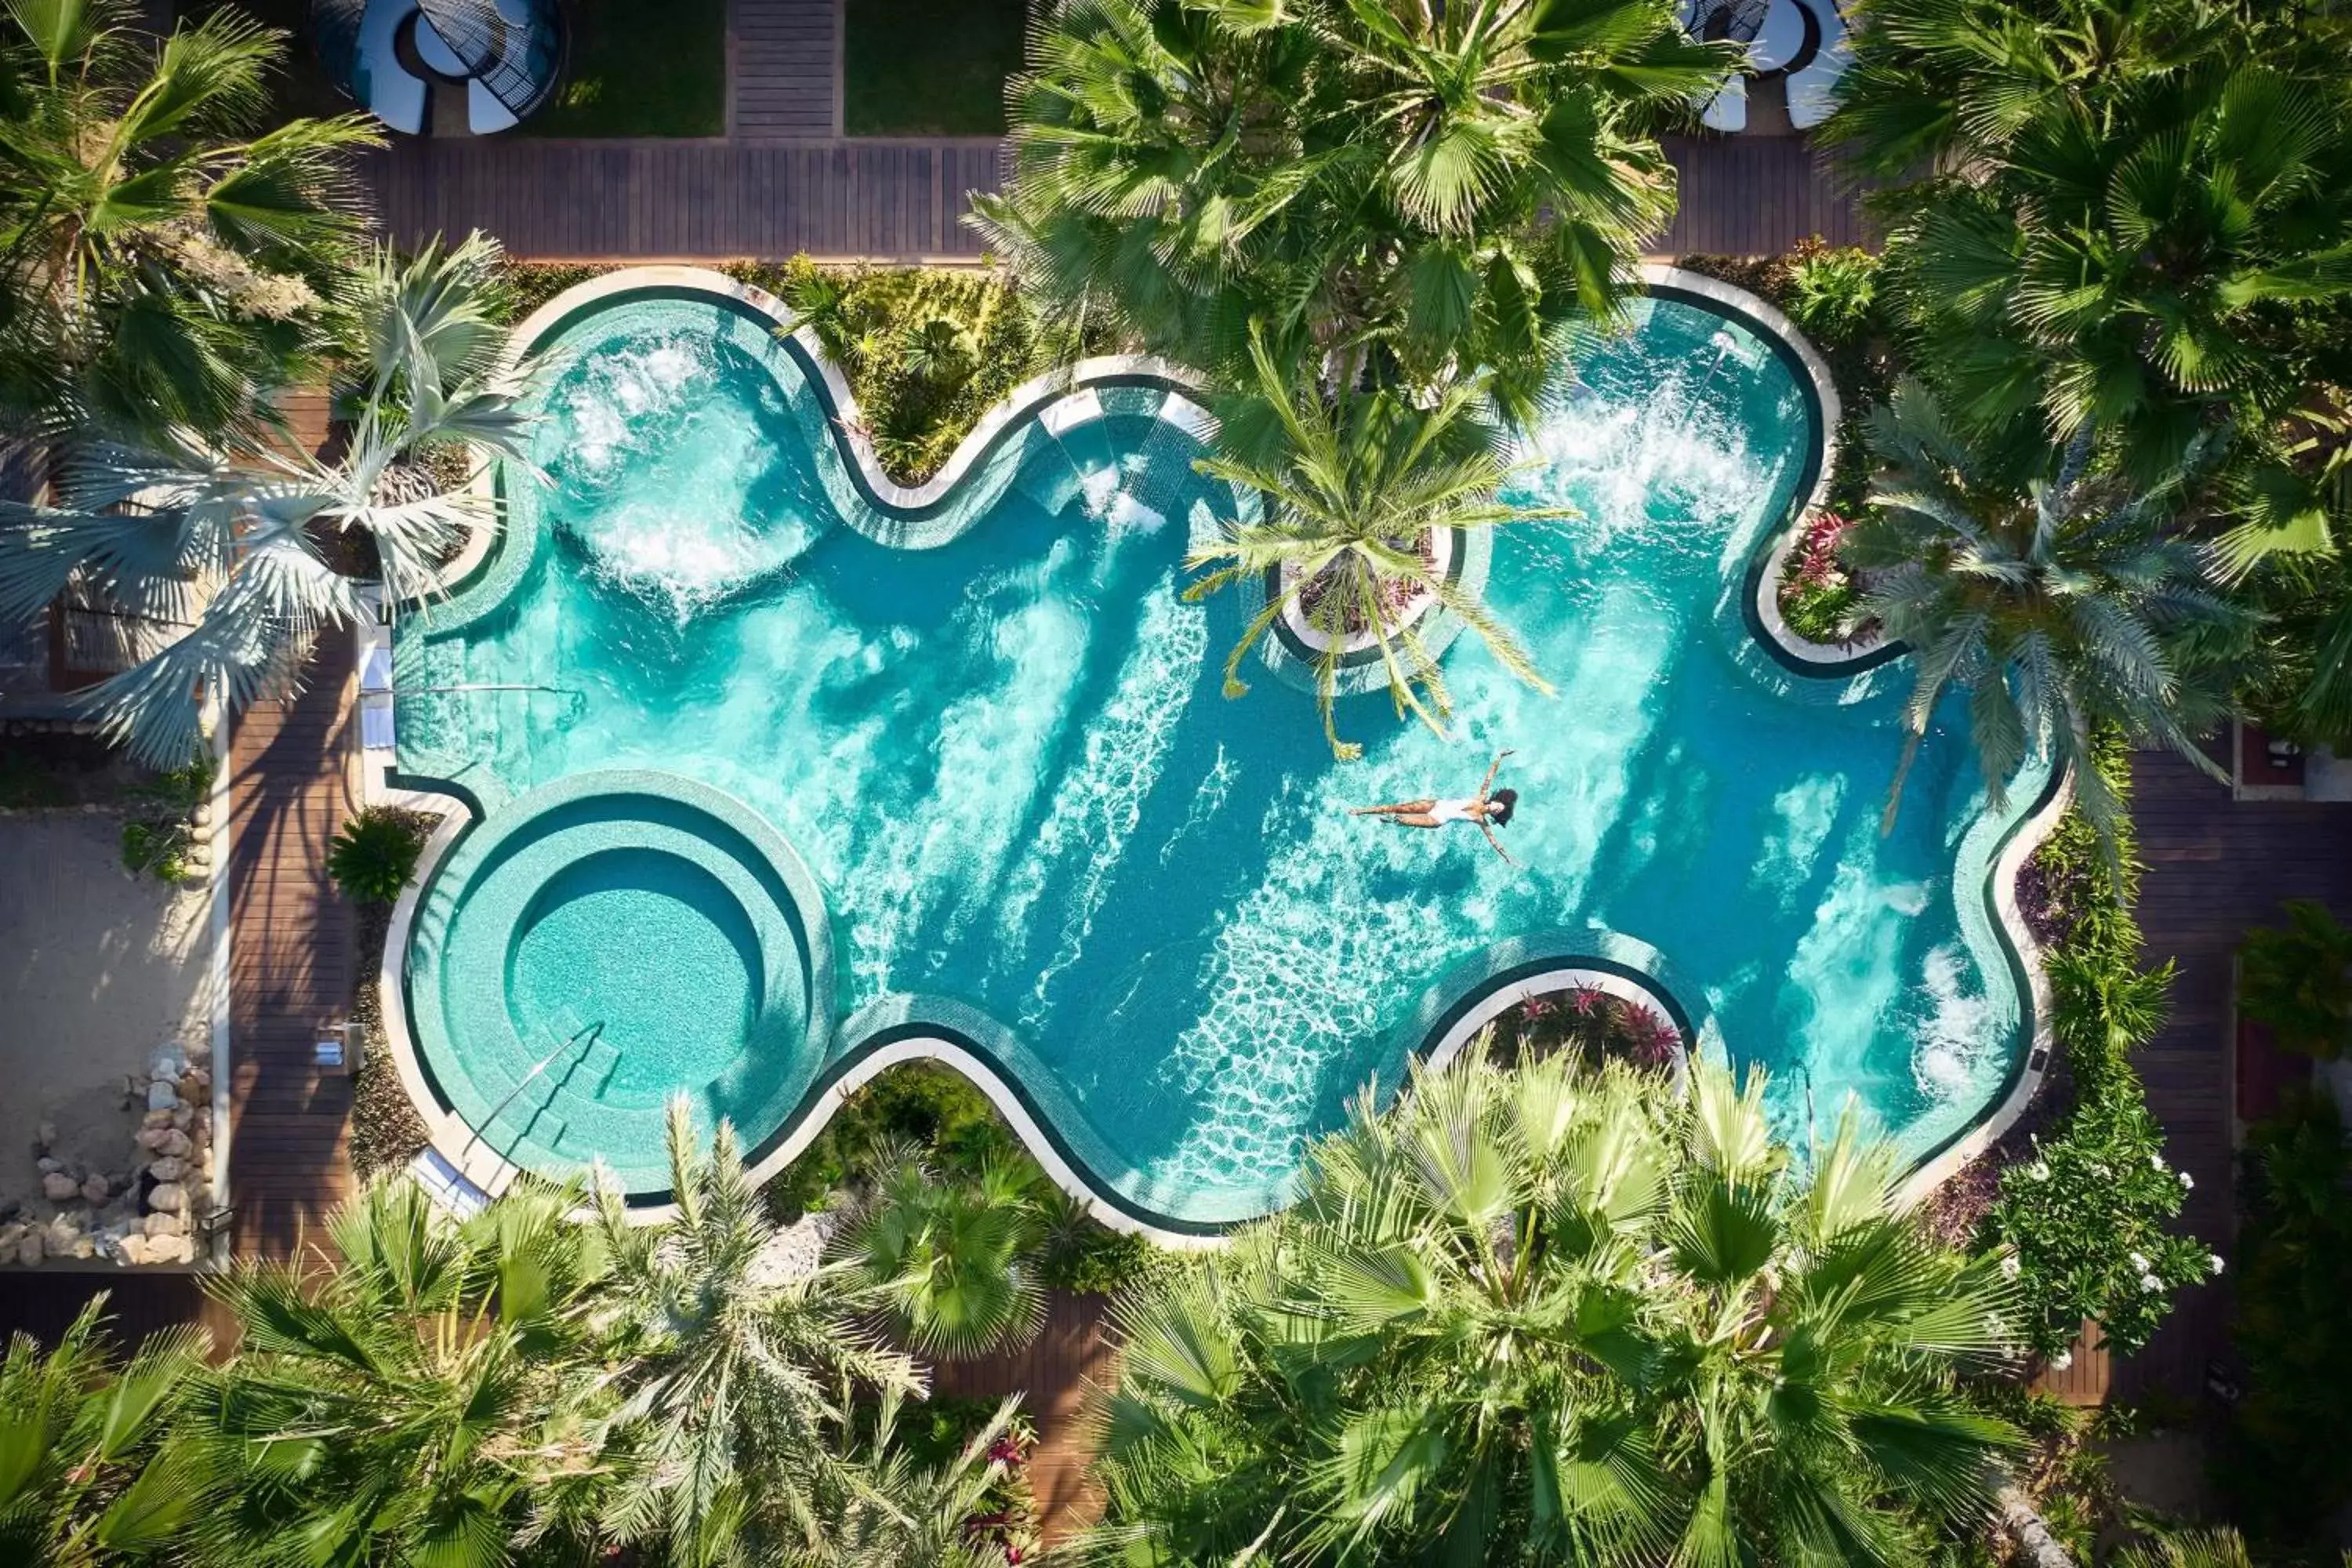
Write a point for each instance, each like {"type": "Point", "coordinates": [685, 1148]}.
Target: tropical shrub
{"type": "Point", "coordinates": [1819, 596]}
{"type": "Point", "coordinates": [91, 1470]}
{"type": "Point", "coordinates": [374, 853]}
{"type": "Point", "coordinates": [898, 1501]}
{"type": "Point", "coordinates": [171, 259]}
{"type": "Point", "coordinates": [2298, 980]}
{"type": "Point", "coordinates": [1407, 191]}
{"type": "Point", "coordinates": [1833, 293]}
{"type": "Point", "coordinates": [2086, 1211]}
{"type": "Point", "coordinates": [1350, 492]}
{"type": "Point", "coordinates": [2287, 1459]}
{"type": "Point", "coordinates": [1546, 1315]}
{"type": "Point", "coordinates": [2062, 604]}
{"type": "Point", "coordinates": [1594, 1026]}
{"type": "Point", "coordinates": [160, 834]}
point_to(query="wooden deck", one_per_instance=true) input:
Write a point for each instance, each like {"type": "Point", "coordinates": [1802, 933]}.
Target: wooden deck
{"type": "Point", "coordinates": [2215, 866]}
{"type": "Point", "coordinates": [292, 956]}
{"type": "Point", "coordinates": [783, 68]}
{"type": "Point", "coordinates": [1053, 1374]}
{"type": "Point", "coordinates": [904, 200]}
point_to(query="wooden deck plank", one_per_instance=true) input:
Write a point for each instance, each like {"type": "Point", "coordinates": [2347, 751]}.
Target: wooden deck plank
{"type": "Point", "coordinates": [901, 199]}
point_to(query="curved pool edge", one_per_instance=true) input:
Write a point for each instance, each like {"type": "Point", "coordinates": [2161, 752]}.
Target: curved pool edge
{"type": "Point", "coordinates": [846, 1067]}
{"type": "Point", "coordinates": [465, 1148]}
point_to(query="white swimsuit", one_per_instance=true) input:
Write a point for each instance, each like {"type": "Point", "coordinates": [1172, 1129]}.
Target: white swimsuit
{"type": "Point", "coordinates": [1453, 811]}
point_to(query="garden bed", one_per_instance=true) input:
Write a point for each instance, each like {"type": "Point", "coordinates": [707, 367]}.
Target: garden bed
{"type": "Point", "coordinates": [641, 67]}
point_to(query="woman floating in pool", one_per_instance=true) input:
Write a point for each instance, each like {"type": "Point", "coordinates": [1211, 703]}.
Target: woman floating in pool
{"type": "Point", "coordinates": [1490, 808]}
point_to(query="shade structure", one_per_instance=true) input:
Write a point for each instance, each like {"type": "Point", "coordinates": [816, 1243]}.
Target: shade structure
{"type": "Point", "coordinates": [510, 53]}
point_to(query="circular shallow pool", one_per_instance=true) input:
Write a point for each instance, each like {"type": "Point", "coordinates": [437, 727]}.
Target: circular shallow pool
{"type": "Point", "coordinates": [606, 942]}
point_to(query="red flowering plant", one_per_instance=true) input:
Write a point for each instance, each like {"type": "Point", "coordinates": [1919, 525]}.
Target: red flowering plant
{"type": "Point", "coordinates": [1004, 1523]}
{"type": "Point", "coordinates": [1597, 1024]}
{"type": "Point", "coordinates": [1818, 595]}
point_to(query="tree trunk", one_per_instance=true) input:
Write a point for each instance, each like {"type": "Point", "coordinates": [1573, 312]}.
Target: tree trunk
{"type": "Point", "coordinates": [2036, 1546]}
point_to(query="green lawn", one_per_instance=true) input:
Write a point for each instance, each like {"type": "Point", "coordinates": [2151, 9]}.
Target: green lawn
{"type": "Point", "coordinates": [641, 67]}
{"type": "Point", "coordinates": [929, 68]}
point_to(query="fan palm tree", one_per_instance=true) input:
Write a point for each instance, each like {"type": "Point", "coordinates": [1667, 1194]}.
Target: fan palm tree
{"type": "Point", "coordinates": [1616, 1320]}
{"type": "Point", "coordinates": [2122, 210]}
{"type": "Point", "coordinates": [90, 1471]}
{"type": "Point", "coordinates": [424, 1391]}
{"type": "Point", "coordinates": [1422, 189]}
{"type": "Point", "coordinates": [950, 1257]}
{"type": "Point", "coordinates": [2060, 605]}
{"type": "Point", "coordinates": [737, 1381]}
{"type": "Point", "coordinates": [229, 550]}
{"type": "Point", "coordinates": [164, 261]}
{"type": "Point", "coordinates": [1350, 493]}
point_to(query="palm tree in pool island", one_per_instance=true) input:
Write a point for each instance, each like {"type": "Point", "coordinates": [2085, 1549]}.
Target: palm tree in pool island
{"type": "Point", "coordinates": [1352, 492]}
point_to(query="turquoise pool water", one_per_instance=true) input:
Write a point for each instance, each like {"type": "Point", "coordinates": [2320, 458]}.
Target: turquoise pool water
{"type": "Point", "coordinates": [1033, 816]}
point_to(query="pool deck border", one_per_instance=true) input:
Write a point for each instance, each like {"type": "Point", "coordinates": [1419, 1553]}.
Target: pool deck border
{"type": "Point", "coordinates": [879, 1045]}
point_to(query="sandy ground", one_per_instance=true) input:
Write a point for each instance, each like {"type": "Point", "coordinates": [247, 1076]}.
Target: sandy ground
{"type": "Point", "coordinates": [97, 968]}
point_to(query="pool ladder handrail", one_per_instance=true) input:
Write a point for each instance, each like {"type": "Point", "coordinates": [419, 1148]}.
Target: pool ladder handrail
{"type": "Point", "coordinates": [587, 1032]}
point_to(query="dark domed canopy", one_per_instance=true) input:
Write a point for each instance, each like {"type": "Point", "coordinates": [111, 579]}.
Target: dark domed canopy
{"type": "Point", "coordinates": [509, 51]}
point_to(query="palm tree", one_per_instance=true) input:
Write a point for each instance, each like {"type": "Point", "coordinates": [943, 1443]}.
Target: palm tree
{"type": "Point", "coordinates": [424, 1391]}
{"type": "Point", "coordinates": [1353, 491]}
{"type": "Point", "coordinates": [913, 1515]}
{"type": "Point", "coordinates": [230, 549]}
{"type": "Point", "coordinates": [166, 261]}
{"type": "Point", "coordinates": [950, 1257]}
{"type": "Point", "coordinates": [1379, 184]}
{"type": "Point", "coordinates": [2121, 212]}
{"type": "Point", "coordinates": [2060, 605]}
{"type": "Point", "coordinates": [1614, 1318]}
{"type": "Point", "coordinates": [736, 1382]}
{"type": "Point", "coordinates": [90, 1470]}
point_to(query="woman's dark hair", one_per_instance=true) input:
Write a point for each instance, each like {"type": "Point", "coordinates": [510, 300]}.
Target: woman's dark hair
{"type": "Point", "coordinates": [1501, 802]}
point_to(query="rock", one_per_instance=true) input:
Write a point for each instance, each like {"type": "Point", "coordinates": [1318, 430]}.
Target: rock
{"type": "Point", "coordinates": [166, 1225]}
{"type": "Point", "coordinates": [162, 1094]}
{"type": "Point", "coordinates": [170, 1250]}
{"type": "Point", "coordinates": [47, 1135]}
{"type": "Point", "coordinates": [10, 1235]}
{"type": "Point", "coordinates": [168, 1198]}
{"type": "Point", "coordinates": [175, 1143]}
{"type": "Point", "coordinates": [183, 1118]}
{"type": "Point", "coordinates": [46, 1164]}
{"type": "Point", "coordinates": [158, 1119]}
{"type": "Point", "coordinates": [196, 1087]}
{"type": "Point", "coordinates": [133, 1250]}
{"type": "Point", "coordinates": [167, 1169]}
{"type": "Point", "coordinates": [32, 1249]}
{"type": "Point", "coordinates": [81, 1248]}
{"type": "Point", "coordinates": [199, 1053]}
{"type": "Point", "coordinates": [96, 1190]}
{"type": "Point", "coordinates": [59, 1188]}
{"type": "Point", "coordinates": [152, 1138]}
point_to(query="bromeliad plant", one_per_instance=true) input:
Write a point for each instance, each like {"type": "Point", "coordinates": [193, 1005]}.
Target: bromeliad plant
{"type": "Point", "coordinates": [1351, 491]}
{"type": "Point", "coordinates": [1574, 1312]}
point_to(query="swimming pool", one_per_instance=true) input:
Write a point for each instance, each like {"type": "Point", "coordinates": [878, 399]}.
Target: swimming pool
{"type": "Point", "coordinates": [994, 732]}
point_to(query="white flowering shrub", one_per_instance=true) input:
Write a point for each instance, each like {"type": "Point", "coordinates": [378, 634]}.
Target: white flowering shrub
{"type": "Point", "coordinates": [2089, 1218]}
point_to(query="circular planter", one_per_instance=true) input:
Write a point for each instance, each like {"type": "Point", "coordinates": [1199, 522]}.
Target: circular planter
{"type": "Point", "coordinates": [1442, 544]}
